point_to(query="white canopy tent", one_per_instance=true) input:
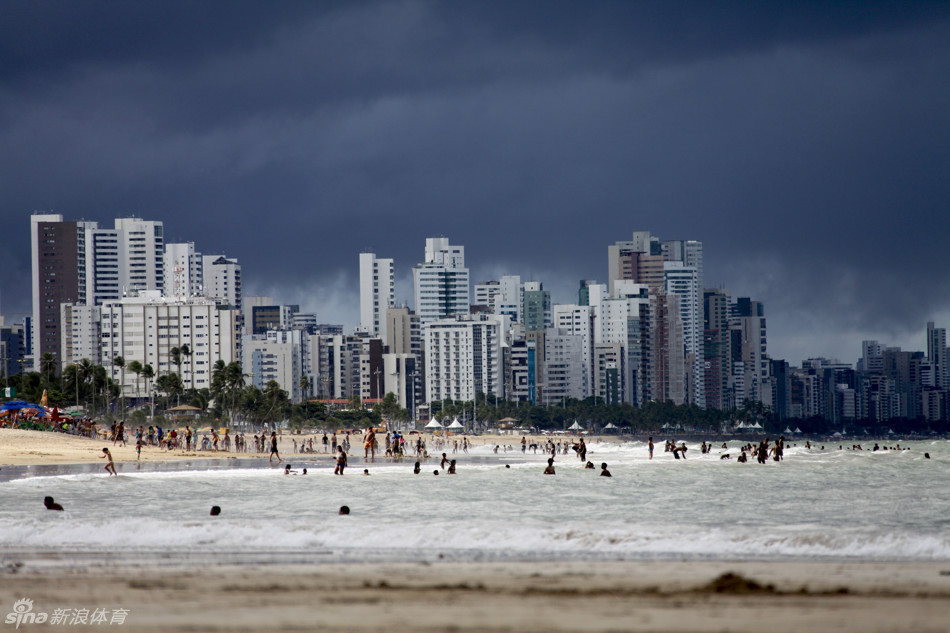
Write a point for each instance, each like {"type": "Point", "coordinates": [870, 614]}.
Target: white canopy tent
{"type": "Point", "coordinates": [575, 426]}
{"type": "Point", "coordinates": [455, 424]}
{"type": "Point", "coordinates": [434, 424]}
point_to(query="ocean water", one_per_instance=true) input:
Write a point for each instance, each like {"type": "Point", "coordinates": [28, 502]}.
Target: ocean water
{"type": "Point", "coordinates": [830, 504]}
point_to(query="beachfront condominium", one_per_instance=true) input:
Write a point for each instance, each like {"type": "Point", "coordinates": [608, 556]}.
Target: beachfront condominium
{"type": "Point", "coordinates": [441, 281]}
{"type": "Point", "coordinates": [83, 264]}
{"type": "Point", "coordinates": [465, 357]}
{"type": "Point", "coordinates": [149, 326]}
{"type": "Point", "coordinates": [377, 294]}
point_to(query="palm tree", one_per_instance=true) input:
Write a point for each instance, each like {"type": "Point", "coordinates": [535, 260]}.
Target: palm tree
{"type": "Point", "coordinates": [234, 381]}
{"type": "Point", "coordinates": [136, 368]}
{"type": "Point", "coordinates": [176, 358]}
{"type": "Point", "coordinates": [148, 372]}
{"type": "Point", "coordinates": [48, 367]}
{"type": "Point", "coordinates": [119, 362]}
{"type": "Point", "coordinates": [304, 387]}
{"type": "Point", "coordinates": [186, 351]}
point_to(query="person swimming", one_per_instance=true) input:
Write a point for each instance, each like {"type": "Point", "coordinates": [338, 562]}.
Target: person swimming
{"type": "Point", "coordinates": [215, 510]}
{"type": "Point", "coordinates": [603, 470]}
{"type": "Point", "coordinates": [52, 505]}
{"type": "Point", "coordinates": [550, 469]}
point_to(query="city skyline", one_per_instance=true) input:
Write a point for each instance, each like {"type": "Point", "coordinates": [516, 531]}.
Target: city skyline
{"type": "Point", "coordinates": [805, 146]}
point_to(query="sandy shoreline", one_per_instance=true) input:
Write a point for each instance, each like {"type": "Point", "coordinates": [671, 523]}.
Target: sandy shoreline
{"type": "Point", "coordinates": [22, 448]}
{"type": "Point", "coordinates": [511, 597]}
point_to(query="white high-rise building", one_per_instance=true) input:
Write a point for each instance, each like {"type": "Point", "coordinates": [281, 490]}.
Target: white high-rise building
{"type": "Point", "coordinates": [146, 328]}
{"type": "Point", "coordinates": [565, 373]}
{"type": "Point", "coordinates": [183, 271]}
{"type": "Point", "coordinates": [142, 249]}
{"type": "Point", "coordinates": [465, 357]}
{"type": "Point", "coordinates": [684, 282]}
{"type": "Point", "coordinates": [625, 319]}
{"type": "Point", "coordinates": [82, 264]}
{"type": "Point", "coordinates": [441, 282]}
{"type": "Point", "coordinates": [579, 321]}
{"type": "Point", "coordinates": [222, 280]}
{"type": "Point", "coordinates": [377, 294]}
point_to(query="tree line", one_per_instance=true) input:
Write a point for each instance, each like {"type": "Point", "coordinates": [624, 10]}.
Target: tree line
{"type": "Point", "coordinates": [230, 401]}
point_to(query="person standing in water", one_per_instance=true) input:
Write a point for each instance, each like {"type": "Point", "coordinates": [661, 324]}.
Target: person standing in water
{"type": "Point", "coordinates": [650, 447]}
{"type": "Point", "coordinates": [273, 449]}
{"type": "Point", "coordinates": [110, 465]}
{"type": "Point", "coordinates": [340, 461]}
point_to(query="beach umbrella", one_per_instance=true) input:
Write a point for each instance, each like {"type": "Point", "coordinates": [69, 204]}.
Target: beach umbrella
{"type": "Point", "coordinates": [20, 405]}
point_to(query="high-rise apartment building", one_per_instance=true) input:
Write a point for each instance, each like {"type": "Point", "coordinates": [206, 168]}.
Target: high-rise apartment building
{"type": "Point", "coordinates": [683, 282]}
{"type": "Point", "coordinates": [147, 327]}
{"type": "Point", "coordinates": [142, 254]}
{"type": "Point", "coordinates": [183, 271]}
{"type": "Point", "coordinates": [465, 357]}
{"type": "Point", "coordinates": [537, 307]}
{"type": "Point", "coordinates": [82, 264]}
{"type": "Point", "coordinates": [441, 281]}
{"type": "Point", "coordinates": [717, 351]}
{"type": "Point", "coordinates": [579, 321]}
{"type": "Point", "coordinates": [504, 296]}
{"type": "Point", "coordinates": [222, 280]}
{"type": "Point", "coordinates": [377, 293]}
{"type": "Point", "coordinates": [937, 354]}
{"type": "Point", "coordinates": [58, 248]}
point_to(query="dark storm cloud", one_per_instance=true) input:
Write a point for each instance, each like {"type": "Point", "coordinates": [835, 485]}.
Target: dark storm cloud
{"type": "Point", "coordinates": [806, 145]}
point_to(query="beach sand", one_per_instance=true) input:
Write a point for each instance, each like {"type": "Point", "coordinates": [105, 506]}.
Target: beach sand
{"type": "Point", "coordinates": [20, 448]}
{"type": "Point", "coordinates": [508, 597]}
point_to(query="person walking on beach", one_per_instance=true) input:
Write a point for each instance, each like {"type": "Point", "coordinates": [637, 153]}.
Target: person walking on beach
{"type": "Point", "coordinates": [273, 449]}
{"type": "Point", "coordinates": [138, 450]}
{"type": "Point", "coordinates": [524, 443]}
{"type": "Point", "coordinates": [110, 465]}
{"type": "Point", "coordinates": [326, 442]}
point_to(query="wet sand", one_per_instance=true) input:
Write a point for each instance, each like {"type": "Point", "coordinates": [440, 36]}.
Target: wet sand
{"type": "Point", "coordinates": [509, 597]}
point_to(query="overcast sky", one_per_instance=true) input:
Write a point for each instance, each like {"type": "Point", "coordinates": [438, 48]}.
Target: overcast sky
{"type": "Point", "coordinates": [807, 145]}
